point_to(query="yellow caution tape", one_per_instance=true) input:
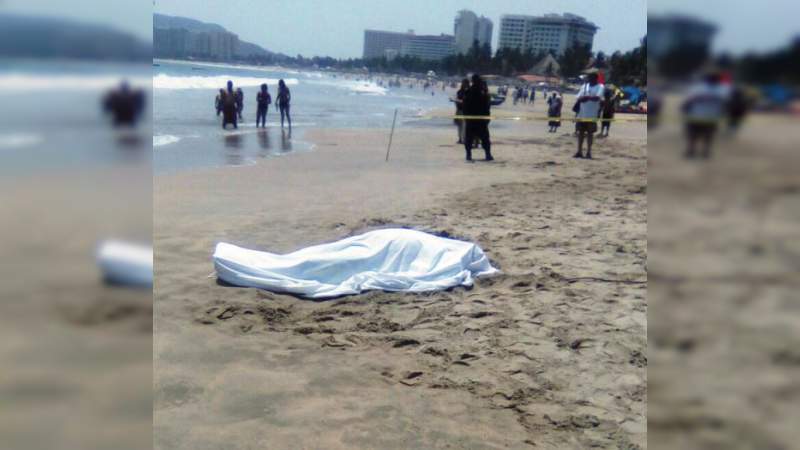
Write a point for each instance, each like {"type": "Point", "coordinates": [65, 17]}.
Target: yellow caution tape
{"type": "Point", "coordinates": [540, 118]}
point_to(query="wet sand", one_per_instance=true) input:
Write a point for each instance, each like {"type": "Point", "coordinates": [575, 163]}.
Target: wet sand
{"type": "Point", "coordinates": [549, 354]}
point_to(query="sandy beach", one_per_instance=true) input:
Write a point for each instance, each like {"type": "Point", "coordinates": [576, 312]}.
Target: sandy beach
{"type": "Point", "coordinates": [550, 354]}
{"type": "Point", "coordinates": [723, 257]}
{"type": "Point", "coordinates": [77, 353]}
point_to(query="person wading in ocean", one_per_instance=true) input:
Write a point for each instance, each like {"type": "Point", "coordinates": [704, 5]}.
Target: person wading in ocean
{"type": "Point", "coordinates": [263, 100]}
{"type": "Point", "coordinates": [284, 100]}
{"type": "Point", "coordinates": [229, 113]}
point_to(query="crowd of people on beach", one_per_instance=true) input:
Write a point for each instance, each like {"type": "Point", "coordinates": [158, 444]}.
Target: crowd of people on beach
{"type": "Point", "coordinates": [230, 103]}
{"type": "Point", "coordinates": [594, 103]}
{"type": "Point", "coordinates": [524, 94]}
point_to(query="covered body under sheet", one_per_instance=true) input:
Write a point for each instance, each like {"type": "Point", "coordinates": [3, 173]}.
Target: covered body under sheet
{"type": "Point", "coordinates": [391, 260]}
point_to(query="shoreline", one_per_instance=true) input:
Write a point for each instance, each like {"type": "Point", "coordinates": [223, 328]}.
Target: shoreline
{"type": "Point", "coordinates": [262, 143]}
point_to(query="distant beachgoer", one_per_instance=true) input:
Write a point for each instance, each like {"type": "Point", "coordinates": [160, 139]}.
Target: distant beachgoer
{"type": "Point", "coordinates": [239, 102]}
{"type": "Point", "coordinates": [703, 108]}
{"type": "Point", "coordinates": [229, 114]}
{"type": "Point", "coordinates": [219, 101]}
{"type": "Point", "coordinates": [263, 100]}
{"type": "Point", "coordinates": [654, 103]}
{"type": "Point", "coordinates": [477, 102]}
{"type": "Point", "coordinates": [554, 105]}
{"type": "Point", "coordinates": [589, 99]}
{"type": "Point", "coordinates": [607, 112]}
{"type": "Point", "coordinates": [284, 100]}
{"type": "Point", "coordinates": [576, 108]}
{"type": "Point", "coordinates": [125, 105]}
{"type": "Point", "coordinates": [459, 101]}
{"type": "Point", "coordinates": [533, 95]}
{"type": "Point", "coordinates": [737, 109]}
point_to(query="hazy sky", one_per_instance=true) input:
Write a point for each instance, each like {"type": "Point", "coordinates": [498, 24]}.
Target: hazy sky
{"type": "Point", "coordinates": [336, 27]}
{"type": "Point", "coordinates": [743, 25]}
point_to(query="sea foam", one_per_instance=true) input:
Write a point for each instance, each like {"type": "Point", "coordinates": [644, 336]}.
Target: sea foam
{"type": "Point", "coordinates": [164, 139]}
{"type": "Point", "coordinates": [164, 81]}
{"type": "Point", "coordinates": [24, 82]}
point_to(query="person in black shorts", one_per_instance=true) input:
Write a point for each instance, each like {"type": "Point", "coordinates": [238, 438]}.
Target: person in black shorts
{"type": "Point", "coordinates": [589, 102]}
{"type": "Point", "coordinates": [554, 105]}
{"type": "Point", "coordinates": [607, 111]}
{"type": "Point", "coordinates": [263, 100]}
{"type": "Point", "coordinates": [284, 100]}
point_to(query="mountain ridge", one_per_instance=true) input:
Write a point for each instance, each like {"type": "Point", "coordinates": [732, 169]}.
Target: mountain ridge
{"type": "Point", "coordinates": [245, 49]}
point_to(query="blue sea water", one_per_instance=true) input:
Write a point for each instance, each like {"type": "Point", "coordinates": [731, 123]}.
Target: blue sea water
{"type": "Point", "coordinates": [187, 133]}
{"type": "Point", "coordinates": [52, 120]}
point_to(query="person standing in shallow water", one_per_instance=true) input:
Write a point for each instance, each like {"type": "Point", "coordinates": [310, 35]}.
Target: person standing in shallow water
{"type": "Point", "coordinates": [239, 102]}
{"type": "Point", "coordinates": [477, 102]}
{"type": "Point", "coordinates": [284, 100]}
{"type": "Point", "coordinates": [219, 101]}
{"type": "Point", "coordinates": [263, 100]}
{"type": "Point", "coordinates": [229, 107]}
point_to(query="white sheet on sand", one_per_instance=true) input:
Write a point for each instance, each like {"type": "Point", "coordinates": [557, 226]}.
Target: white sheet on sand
{"type": "Point", "coordinates": [391, 260]}
{"type": "Point", "coordinates": [126, 263]}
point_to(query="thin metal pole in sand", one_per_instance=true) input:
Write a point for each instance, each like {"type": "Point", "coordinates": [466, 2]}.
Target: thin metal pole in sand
{"type": "Point", "coordinates": [389, 147]}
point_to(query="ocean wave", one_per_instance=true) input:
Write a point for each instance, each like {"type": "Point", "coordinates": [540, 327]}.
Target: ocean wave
{"type": "Point", "coordinates": [17, 140]}
{"type": "Point", "coordinates": [369, 89]}
{"type": "Point", "coordinates": [164, 139]}
{"type": "Point", "coordinates": [356, 87]}
{"type": "Point", "coordinates": [25, 82]}
{"type": "Point", "coordinates": [275, 68]}
{"type": "Point", "coordinates": [164, 81]}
